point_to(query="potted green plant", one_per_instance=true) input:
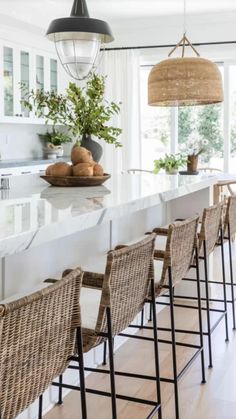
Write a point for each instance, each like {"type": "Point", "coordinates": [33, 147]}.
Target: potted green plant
{"type": "Point", "coordinates": [170, 163]}
{"type": "Point", "coordinates": [53, 142]}
{"type": "Point", "coordinates": [82, 110]}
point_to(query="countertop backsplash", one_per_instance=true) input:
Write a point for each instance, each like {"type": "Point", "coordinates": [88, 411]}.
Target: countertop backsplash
{"type": "Point", "coordinates": [22, 142]}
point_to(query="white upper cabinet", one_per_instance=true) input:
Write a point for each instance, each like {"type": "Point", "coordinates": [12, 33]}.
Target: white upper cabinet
{"type": "Point", "coordinates": [36, 69]}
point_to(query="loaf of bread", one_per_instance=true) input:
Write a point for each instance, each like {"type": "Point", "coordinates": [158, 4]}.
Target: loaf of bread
{"type": "Point", "coordinates": [81, 155]}
{"type": "Point", "coordinates": [98, 170]}
{"type": "Point", "coordinates": [83, 169]}
{"type": "Point", "coordinates": [59, 169]}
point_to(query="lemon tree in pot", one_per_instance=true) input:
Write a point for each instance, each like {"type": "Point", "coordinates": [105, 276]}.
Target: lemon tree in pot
{"type": "Point", "coordinates": [171, 163]}
{"type": "Point", "coordinates": [82, 110]}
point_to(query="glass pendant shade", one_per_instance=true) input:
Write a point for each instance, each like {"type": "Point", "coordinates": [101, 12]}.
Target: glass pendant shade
{"type": "Point", "coordinates": [78, 40]}
{"type": "Point", "coordinates": [78, 57]}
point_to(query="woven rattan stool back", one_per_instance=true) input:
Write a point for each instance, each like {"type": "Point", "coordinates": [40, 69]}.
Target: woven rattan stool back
{"type": "Point", "coordinates": [230, 217]}
{"type": "Point", "coordinates": [37, 335]}
{"type": "Point", "coordinates": [128, 273]}
{"type": "Point", "coordinates": [180, 247]}
{"type": "Point", "coordinates": [210, 227]}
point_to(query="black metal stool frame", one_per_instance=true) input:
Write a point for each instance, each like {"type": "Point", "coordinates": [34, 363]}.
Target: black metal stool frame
{"type": "Point", "coordinates": [112, 372]}
{"type": "Point", "coordinates": [210, 327]}
{"type": "Point", "coordinates": [173, 342]}
{"type": "Point", "coordinates": [80, 360]}
{"type": "Point", "coordinates": [230, 284]}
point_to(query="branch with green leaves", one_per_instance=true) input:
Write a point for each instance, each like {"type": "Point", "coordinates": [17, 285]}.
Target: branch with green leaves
{"type": "Point", "coordinates": [82, 110]}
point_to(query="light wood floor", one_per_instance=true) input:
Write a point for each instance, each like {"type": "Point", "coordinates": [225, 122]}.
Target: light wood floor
{"type": "Point", "coordinates": [214, 400]}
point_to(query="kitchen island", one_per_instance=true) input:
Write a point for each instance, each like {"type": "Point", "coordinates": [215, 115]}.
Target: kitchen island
{"type": "Point", "coordinates": [46, 229]}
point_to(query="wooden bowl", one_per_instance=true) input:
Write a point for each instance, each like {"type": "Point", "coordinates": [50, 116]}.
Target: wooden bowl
{"type": "Point", "coordinates": [76, 180]}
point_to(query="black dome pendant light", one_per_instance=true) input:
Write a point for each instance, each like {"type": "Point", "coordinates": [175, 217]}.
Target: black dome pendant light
{"type": "Point", "coordinates": [78, 39]}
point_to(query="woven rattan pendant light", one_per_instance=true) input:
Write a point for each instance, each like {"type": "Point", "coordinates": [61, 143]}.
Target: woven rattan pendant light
{"type": "Point", "coordinates": [185, 81]}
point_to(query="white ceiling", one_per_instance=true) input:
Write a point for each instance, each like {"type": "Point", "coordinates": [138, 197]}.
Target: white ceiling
{"type": "Point", "coordinates": [41, 12]}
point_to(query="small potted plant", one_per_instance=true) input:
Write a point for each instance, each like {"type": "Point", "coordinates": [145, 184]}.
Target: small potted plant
{"type": "Point", "coordinates": [171, 163]}
{"type": "Point", "coordinates": [53, 142]}
{"type": "Point", "coordinates": [193, 148]}
{"type": "Point", "coordinates": [82, 110]}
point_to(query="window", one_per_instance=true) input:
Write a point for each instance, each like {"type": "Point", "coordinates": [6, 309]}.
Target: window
{"type": "Point", "coordinates": [232, 87]}
{"type": "Point", "coordinates": [155, 126]}
{"type": "Point", "coordinates": [206, 123]}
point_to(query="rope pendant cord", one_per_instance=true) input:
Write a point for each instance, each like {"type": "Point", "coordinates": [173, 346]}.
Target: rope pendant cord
{"type": "Point", "coordinates": [184, 42]}
{"type": "Point", "coordinates": [185, 21]}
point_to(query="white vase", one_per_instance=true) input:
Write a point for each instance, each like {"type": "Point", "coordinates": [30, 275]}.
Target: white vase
{"type": "Point", "coordinates": [59, 150]}
{"type": "Point", "coordinates": [52, 152]}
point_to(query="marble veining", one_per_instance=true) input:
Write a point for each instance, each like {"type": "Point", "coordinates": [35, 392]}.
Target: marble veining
{"type": "Point", "coordinates": [32, 212]}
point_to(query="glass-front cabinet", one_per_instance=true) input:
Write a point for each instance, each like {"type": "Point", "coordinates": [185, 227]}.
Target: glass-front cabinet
{"type": "Point", "coordinates": [24, 78]}
{"type": "Point", "coordinates": [23, 66]}
{"type": "Point", "coordinates": [8, 81]}
{"type": "Point", "coordinates": [39, 72]}
{"type": "Point", "coordinates": [53, 75]}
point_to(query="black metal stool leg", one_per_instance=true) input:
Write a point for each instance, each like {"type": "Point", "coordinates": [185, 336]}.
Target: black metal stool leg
{"type": "Point", "coordinates": [60, 401]}
{"type": "Point", "coordinates": [40, 407]}
{"type": "Point", "coordinates": [150, 313]}
{"type": "Point", "coordinates": [231, 278]}
{"type": "Point", "coordinates": [156, 351]}
{"type": "Point", "coordinates": [224, 285]}
{"type": "Point", "coordinates": [104, 362]}
{"type": "Point", "coordinates": [111, 361]}
{"type": "Point", "coordinates": [207, 305]}
{"type": "Point", "coordinates": [142, 318]}
{"type": "Point", "coordinates": [200, 317]}
{"type": "Point", "coordinates": [172, 319]}
{"type": "Point", "coordinates": [81, 373]}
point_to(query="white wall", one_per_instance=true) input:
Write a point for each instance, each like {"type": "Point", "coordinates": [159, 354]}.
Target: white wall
{"type": "Point", "coordinates": [19, 141]}
{"type": "Point", "coordinates": [168, 29]}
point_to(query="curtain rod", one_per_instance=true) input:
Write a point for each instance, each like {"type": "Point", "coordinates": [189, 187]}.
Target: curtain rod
{"type": "Point", "coordinates": [197, 44]}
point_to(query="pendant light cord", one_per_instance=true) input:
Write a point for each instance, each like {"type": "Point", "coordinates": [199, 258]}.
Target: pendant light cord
{"type": "Point", "coordinates": [185, 22]}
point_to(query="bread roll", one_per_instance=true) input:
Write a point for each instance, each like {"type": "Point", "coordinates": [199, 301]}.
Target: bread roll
{"type": "Point", "coordinates": [81, 155]}
{"type": "Point", "coordinates": [60, 169]}
{"type": "Point", "coordinates": [83, 169]}
{"type": "Point", "coordinates": [49, 170]}
{"type": "Point", "coordinates": [98, 170]}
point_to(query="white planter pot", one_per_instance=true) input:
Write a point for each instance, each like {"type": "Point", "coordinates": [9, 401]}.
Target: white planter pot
{"type": "Point", "coordinates": [172, 172]}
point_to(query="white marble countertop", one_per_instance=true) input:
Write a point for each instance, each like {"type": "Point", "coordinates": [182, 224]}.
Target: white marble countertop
{"type": "Point", "coordinates": [32, 212]}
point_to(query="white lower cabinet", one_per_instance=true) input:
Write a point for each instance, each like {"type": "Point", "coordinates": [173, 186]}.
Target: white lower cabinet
{"type": "Point", "coordinates": [23, 170]}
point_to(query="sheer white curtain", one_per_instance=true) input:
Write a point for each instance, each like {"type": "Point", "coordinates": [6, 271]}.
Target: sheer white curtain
{"type": "Point", "coordinates": [122, 85]}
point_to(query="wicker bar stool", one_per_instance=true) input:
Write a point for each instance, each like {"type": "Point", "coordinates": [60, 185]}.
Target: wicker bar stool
{"type": "Point", "coordinates": [38, 333]}
{"type": "Point", "coordinates": [110, 302]}
{"type": "Point", "coordinates": [211, 233]}
{"type": "Point", "coordinates": [229, 231]}
{"type": "Point", "coordinates": [171, 265]}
